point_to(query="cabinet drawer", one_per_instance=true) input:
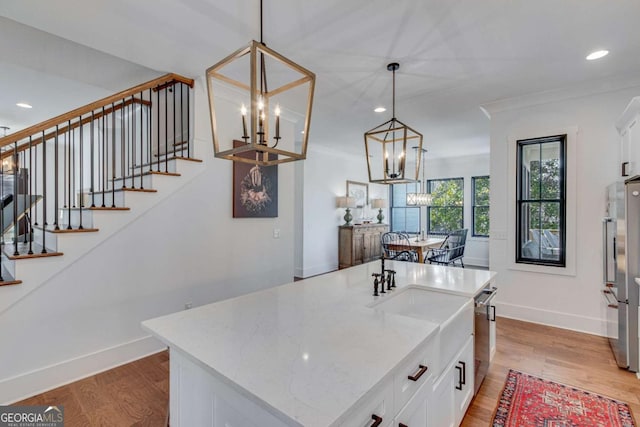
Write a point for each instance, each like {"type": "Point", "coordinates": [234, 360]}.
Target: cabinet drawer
{"type": "Point", "coordinates": [421, 367]}
{"type": "Point", "coordinates": [380, 404]}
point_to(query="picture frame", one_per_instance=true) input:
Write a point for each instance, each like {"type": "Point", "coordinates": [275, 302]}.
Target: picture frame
{"type": "Point", "coordinates": [359, 191]}
{"type": "Point", "coordinates": [255, 189]}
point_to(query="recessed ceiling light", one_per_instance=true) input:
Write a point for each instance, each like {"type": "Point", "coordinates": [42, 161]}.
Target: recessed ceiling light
{"type": "Point", "coordinates": [597, 54]}
{"type": "Point", "coordinates": [380, 109]}
{"type": "Point", "coordinates": [23, 105]}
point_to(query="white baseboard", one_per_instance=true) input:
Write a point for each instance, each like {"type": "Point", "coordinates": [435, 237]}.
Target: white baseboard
{"type": "Point", "coordinates": [480, 262]}
{"type": "Point", "coordinates": [38, 381]}
{"type": "Point", "coordinates": [318, 269]}
{"type": "Point", "coordinates": [589, 325]}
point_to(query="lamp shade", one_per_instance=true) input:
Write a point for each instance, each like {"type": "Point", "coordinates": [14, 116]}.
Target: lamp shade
{"type": "Point", "coordinates": [345, 202]}
{"type": "Point", "coordinates": [378, 203]}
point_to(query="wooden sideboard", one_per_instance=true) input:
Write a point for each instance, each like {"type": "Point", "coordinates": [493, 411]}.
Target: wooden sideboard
{"type": "Point", "coordinates": [359, 243]}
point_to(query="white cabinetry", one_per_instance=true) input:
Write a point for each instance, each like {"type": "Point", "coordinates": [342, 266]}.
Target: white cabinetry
{"type": "Point", "coordinates": [492, 332]}
{"type": "Point", "coordinates": [629, 128]}
{"type": "Point", "coordinates": [453, 391]}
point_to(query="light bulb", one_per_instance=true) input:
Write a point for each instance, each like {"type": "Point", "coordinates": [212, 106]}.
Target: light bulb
{"type": "Point", "coordinates": [243, 110]}
{"type": "Point", "coordinates": [277, 110]}
{"type": "Point", "coordinates": [260, 104]}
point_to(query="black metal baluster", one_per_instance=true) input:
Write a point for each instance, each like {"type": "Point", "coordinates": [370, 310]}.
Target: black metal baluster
{"type": "Point", "coordinates": [35, 181]}
{"type": "Point", "coordinates": [64, 175]}
{"type": "Point", "coordinates": [141, 137]}
{"type": "Point", "coordinates": [174, 149]}
{"type": "Point", "coordinates": [132, 127]}
{"type": "Point", "coordinates": [122, 145]}
{"type": "Point", "coordinates": [149, 129]}
{"type": "Point", "coordinates": [55, 182]}
{"type": "Point", "coordinates": [29, 230]}
{"type": "Point", "coordinates": [2, 212]}
{"type": "Point", "coordinates": [188, 124]}
{"type": "Point", "coordinates": [92, 140]}
{"type": "Point", "coordinates": [181, 120]}
{"type": "Point", "coordinates": [72, 172]}
{"type": "Point", "coordinates": [16, 166]}
{"type": "Point", "coordinates": [166, 130]}
{"type": "Point", "coordinates": [104, 164]}
{"type": "Point", "coordinates": [158, 129]}
{"type": "Point", "coordinates": [80, 177]}
{"type": "Point", "coordinates": [113, 156]}
{"type": "Point", "coordinates": [44, 194]}
{"type": "Point", "coordinates": [70, 169]}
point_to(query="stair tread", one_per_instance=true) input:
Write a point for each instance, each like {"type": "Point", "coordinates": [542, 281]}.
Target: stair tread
{"type": "Point", "coordinates": [9, 282]}
{"type": "Point", "coordinates": [147, 173]}
{"type": "Point", "coordinates": [23, 248]}
{"type": "Point", "coordinates": [64, 229]}
{"type": "Point", "coordinates": [161, 161]}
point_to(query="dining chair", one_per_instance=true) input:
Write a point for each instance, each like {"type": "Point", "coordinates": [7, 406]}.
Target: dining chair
{"type": "Point", "coordinates": [393, 243]}
{"type": "Point", "coordinates": [451, 250]}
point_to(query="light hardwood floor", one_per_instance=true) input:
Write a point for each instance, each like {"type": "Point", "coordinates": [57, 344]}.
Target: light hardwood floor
{"type": "Point", "coordinates": [136, 394]}
{"type": "Point", "coordinates": [567, 357]}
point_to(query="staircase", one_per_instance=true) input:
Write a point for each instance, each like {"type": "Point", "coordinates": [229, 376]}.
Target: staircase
{"type": "Point", "coordinates": [61, 178]}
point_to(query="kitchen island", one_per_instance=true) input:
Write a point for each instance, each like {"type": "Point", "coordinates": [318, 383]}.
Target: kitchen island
{"type": "Point", "coordinates": [314, 353]}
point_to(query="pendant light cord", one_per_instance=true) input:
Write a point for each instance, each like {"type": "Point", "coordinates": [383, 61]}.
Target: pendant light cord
{"type": "Point", "coordinates": [393, 102]}
{"type": "Point", "coordinates": [261, 42]}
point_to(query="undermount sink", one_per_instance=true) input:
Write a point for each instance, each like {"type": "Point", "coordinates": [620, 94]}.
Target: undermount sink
{"type": "Point", "coordinates": [451, 312]}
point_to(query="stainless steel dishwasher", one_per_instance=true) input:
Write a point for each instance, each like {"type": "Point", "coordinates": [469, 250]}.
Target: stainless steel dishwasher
{"type": "Point", "coordinates": [485, 313]}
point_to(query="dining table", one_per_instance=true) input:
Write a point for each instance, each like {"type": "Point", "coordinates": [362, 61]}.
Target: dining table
{"type": "Point", "coordinates": [421, 246]}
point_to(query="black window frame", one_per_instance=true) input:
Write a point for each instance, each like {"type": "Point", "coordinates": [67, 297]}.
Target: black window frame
{"type": "Point", "coordinates": [393, 207]}
{"type": "Point", "coordinates": [474, 205]}
{"type": "Point", "coordinates": [522, 228]}
{"type": "Point", "coordinates": [430, 207]}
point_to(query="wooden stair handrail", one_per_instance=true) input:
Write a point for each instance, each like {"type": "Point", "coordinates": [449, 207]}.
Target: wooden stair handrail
{"type": "Point", "coordinates": [73, 114]}
{"type": "Point", "coordinates": [66, 128]}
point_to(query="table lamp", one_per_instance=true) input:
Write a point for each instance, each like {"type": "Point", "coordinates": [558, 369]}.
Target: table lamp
{"type": "Point", "coordinates": [379, 204]}
{"type": "Point", "coordinates": [348, 203]}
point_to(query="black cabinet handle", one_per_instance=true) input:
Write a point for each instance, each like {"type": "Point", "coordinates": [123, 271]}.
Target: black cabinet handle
{"type": "Point", "coordinates": [493, 309]}
{"type": "Point", "coordinates": [464, 373]}
{"type": "Point", "coordinates": [418, 374]}
{"type": "Point", "coordinates": [625, 172]}
{"type": "Point", "coordinates": [459, 386]}
{"type": "Point", "coordinates": [376, 420]}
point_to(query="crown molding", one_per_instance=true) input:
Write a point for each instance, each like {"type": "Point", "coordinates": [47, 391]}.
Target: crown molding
{"type": "Point", "coordinates": [581, 90]}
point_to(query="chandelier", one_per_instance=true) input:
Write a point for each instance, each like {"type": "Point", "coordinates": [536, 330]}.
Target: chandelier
{"type": "Point", "coordinates": [386, 147]}
{"type": "Point", "coordinates": [258, 120]}
{"type": "Point", "coordinates": [422, 198]}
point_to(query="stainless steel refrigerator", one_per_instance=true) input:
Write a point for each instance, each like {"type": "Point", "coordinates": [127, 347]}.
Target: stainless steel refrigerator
{"type": "Point", "coordinates": [621, 239]}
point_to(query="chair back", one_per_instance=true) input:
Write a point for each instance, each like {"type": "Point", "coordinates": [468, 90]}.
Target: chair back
{"type": "Point", "coordinates": [393, 243]}
{"type": "Point", "coordinates": [457, 240]}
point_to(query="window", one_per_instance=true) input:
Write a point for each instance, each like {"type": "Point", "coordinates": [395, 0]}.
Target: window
{"type": "Point", "coordinates": [480, 196]}
{"type": "Point", "coordinates": [403, 217]}
{"type": "Point", "coordinates": [446, 211]}
{"type": "Point", "coordinates": [541, 201]}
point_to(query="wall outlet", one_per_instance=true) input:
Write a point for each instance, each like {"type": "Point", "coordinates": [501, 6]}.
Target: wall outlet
{"type": "Point", "coordinates": [188, 305]}
{"type": "Point", "coordinates": [276, 233]}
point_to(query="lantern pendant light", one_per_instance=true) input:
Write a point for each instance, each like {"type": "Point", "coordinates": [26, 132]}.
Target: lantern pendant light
{"type": "Point", "coordinates": [422, 197]}
{"type": "Point", "coordinates": [246, 108]}
{"type": "Point", "coordinates": [386, 148]}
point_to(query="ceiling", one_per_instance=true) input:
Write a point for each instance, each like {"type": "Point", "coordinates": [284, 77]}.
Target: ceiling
{"type": "Point", "coordinates": [454, 55]}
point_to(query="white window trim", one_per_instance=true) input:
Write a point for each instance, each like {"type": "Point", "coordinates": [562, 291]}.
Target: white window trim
{"type": "Point", "coordinates": [571, 209]}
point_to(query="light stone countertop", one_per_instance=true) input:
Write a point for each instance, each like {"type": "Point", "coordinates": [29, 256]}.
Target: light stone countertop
{"type": "Point", "coordinates": [311, 349]}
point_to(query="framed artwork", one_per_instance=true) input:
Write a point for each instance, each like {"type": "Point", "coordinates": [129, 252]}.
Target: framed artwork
{"type": "Point", "coordinates": [360, 191]}
{"type": "Point", "coordinates": [255, 189]}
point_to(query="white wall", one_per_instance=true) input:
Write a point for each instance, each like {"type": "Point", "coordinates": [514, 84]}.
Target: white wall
{"type": "Point", "coordinates": [476, 251]}
{"type": "Point", "coordinates": [188, 249]}
{"type": "Point", "coordinates": [324, 177]}
{"type": "Point", "coordinates": [568, 301]}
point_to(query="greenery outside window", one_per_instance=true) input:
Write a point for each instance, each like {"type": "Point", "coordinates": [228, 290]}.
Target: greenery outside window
{"type": "Point", "coordinates": [480, 212]}
{"type": "Point", "coordinates": [446, 212]}
{"type": "Point", "coordinates": [404, 218]}
{"type": "Point", "coordinates": [541, 201]}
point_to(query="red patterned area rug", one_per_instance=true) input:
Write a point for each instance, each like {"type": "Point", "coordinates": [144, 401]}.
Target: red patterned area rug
{"type": "Point", "coordinates": [528, 401]}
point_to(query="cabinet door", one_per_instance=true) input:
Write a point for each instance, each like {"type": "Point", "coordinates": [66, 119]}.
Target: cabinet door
{"type": "Point", "coordinates": [441, 413]}
{"type": "Point", "coordinates": [415, 414]}
{"type": "Point", "coordinates": [463, 380]}
{"type": "Point", "coordinates": [358, 247]}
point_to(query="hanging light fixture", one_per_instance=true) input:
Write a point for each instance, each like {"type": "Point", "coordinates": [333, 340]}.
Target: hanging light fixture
{"type": "Point", "coordinates": [247, 108]}
{"type": "Point", "coordinates": [422, 198]}
{"type": "Point", "coordinates": [386, 147]}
